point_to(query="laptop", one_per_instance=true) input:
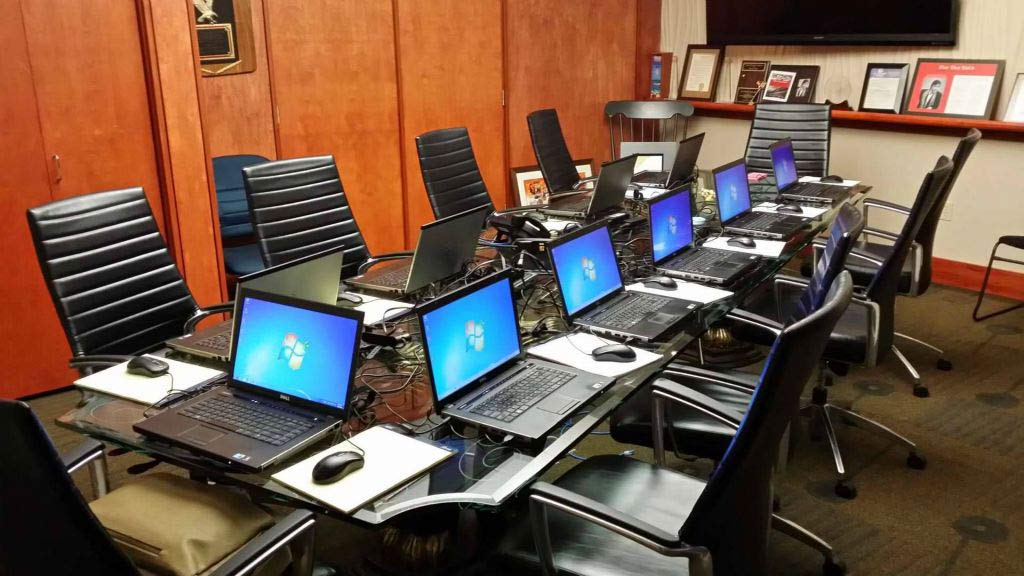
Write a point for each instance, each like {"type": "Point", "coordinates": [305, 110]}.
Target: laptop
{"type": "Point", "coordinates": [594, 297]}
{"type": "Point", "coordinates": [288, 385]}
{"type": "Point", "coordinates": [479, 370]}
{"type": "Point", "coordinates": [443, 248]}
{"type": "Point", "coordinates": [674, 252]}
{"type": "Point", "coordinates": [732, 194]}
{"type": "Point", "coordinates": [609, 192]}
{"type": "Point", "coordinates": [682, 168]}
{"type": "Point", "coordinates": [786, 180]}
{"type": "Point", "coordinates": [667, 150]}
{"type": "Point", "coordinates": [313, 277]}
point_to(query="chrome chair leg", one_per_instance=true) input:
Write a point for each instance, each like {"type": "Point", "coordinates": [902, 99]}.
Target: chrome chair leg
{"type": "Point", "coordinates": [843, 488]}
{"type": "Point", "coordinates": [943, 363]}
{"type": "Point", "coordinates": [914, 459]}
{"type": "Point", "coordinates": [920, 390]}
{"type": "Point", "coordinates": [833, 565]}
{"type": "Point", "coordinates": [98, 476]}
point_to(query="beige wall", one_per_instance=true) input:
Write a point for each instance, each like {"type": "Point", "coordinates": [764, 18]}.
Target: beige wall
{"type": "Point", "coordinates": [987, 202]}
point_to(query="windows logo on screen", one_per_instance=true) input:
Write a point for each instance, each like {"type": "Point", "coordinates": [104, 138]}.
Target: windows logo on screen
{"type": "Point", "coordinates": [734, 194]}
{"type": "Point", "coordinates": [474, 335]}
{"type": "Point", "coordinates": [672, 227]}
{"type": "Point", "coordinates": [293, 351]}
{"type": "Point", "coordinates": [589, 269]}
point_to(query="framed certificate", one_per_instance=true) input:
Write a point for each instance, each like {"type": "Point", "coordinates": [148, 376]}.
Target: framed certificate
{"type": "Point", "coordinates": [700, 72]}
{"type": "Point", "coordinates": [884, 88]}
{"type": "Point", "coordinates": [954, 88]}
{"type": "Point", "coordinates": [791, 84]}
{"type": "Point", "coordinates": [1015, 109]}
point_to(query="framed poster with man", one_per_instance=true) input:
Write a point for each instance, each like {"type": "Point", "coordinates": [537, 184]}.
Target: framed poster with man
{"type": "Point", "coordinates": [955, 88]}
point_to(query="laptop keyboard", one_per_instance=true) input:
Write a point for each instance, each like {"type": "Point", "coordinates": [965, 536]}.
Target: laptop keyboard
{"type": "Point", "coordinates": [756, 221]}
{"type": "Point", "coordinates": [248, 419]}
{"type": "Point", "coordinates": [815, 190]}
{"type": "Point", "coordinates": [699, 261]}
{"type": "Point", "coordinates": [531, 388]}
{"type": "Point", "coordinates": [395, 277]}
{"type": "Point", "coordinates": [219, 342]}
{"type": "Point", "coordinates": [629, 313]}
{"type": "Point", "coordinates": [572, 204]}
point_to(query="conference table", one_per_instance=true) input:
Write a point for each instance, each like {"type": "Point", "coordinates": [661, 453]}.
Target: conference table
{"type": "Point", "coordinates": [483, 472]}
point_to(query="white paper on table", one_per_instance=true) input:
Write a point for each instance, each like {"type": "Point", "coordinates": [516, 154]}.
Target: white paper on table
{"type": "Point", "coordinates": [648, 193]}
{"type": "Point", "coordinates": [807, 211]}
{"type": "Point", "coordinates": [562, 351]}
{"type": "Point", "coordinates": [376, 310]}
{"type": "Point", "coordinates": [691, 291]}
{"type": "Point", "coordinates": [556, 224]}
{"type": "Point", "coordinates": [847, 183]}
{"type": "Point", "coordinates": [762, 247]}
{"type": "Point", "coordinates": [116, 381]}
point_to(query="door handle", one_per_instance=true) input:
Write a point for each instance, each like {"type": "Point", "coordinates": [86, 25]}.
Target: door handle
{"type": "Point", "coordinates": [58, 171]}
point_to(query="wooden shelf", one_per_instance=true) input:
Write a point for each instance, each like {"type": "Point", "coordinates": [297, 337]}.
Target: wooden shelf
{"type": "Point", "coordinates": [889, 122]}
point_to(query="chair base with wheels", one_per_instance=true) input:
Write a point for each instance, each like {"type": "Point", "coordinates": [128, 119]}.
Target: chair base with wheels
{"type": "Point", "coordinates": [1013, 242]}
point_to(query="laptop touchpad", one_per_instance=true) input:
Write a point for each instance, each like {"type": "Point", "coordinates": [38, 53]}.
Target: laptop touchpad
{"type": "Point", "coordinates": [557, 404]}
{"type": "Point", "coordinates": [202, 435]}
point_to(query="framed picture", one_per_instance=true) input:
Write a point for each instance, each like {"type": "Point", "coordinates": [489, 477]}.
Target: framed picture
{"type": "Point", "coordinates": [791, 84]}
{"type": "Point", "coordinates": [661, 72]}
{"type": "Point", "coordinates": [1015, 109]}
{"type": "Point", "coordinates": [954, 88]}
{"type": "Point", "coordinates": [884, 88]}
{"type": "Point", "coordinates": [530, 187]}
{"type": "Point", "coordinates": [753, 74]}
{"type": "Point", "coordinates": [224, 35]}
{"type": "Point", "coordinates": [700, 72]}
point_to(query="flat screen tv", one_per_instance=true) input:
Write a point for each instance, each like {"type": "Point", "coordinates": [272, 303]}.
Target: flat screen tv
{"type": "Point", "coordinates": [922, 22]}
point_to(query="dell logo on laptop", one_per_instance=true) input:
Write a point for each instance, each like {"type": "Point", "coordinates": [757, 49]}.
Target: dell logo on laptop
{"type": "Point", "coordinates": [285, 397]}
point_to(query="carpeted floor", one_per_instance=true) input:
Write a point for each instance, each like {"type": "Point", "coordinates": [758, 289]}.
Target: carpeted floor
{"type": "Point", "coordinates": [963, 515]}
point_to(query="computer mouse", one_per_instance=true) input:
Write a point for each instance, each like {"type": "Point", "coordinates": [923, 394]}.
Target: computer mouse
{"type": "Point", "coordinates": [349, 297]}
{"type": "Point", "coordinates": [660, 282]}
{"type": "Point", "coordinates": [334, 467]}
{"type": "Point", "coordinates": [570, 227]}
{"type": "Point", "coordinates": [741, 242]}
{"type": "Point", "coordinates": [613, 353]}
{"type": "Point", "coordinates": [833, 178]}
{"type": "Point", "coordinates": [398, 428]}
{"type": "Point", "coordinates": [790, 209]}
{"type": "Point", "coordinates": [147, 366]}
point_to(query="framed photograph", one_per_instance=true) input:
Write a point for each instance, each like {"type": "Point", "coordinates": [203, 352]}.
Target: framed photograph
{"type": "Point", "coordinates": [224, 35]}
{"type": "Point", "coordinates": [791, 84]}
{"type": "Point", "coordinates": [753, 75]}
{"type": "Point", "coordinates": [954, 88]}
{"type": "Point", "coordinates": [661, 72]}
{"type": "Point", "coordinates": [700, 72]}
{"type": "Point", "coordinates": [884, 88]}
{"type": "Point", "coordinates": [1015, 109]}
{"type": "Point", "coordinates": [530, 187]}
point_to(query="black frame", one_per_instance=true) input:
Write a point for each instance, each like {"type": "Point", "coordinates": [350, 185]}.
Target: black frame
{"type": "Point", "coordinates": [350, 313]}
{"type": "Point", "coordinates": [718, 204]}
{"type": "Point", "coordinates": [719, 57]}
{"type": "Point", "coordinates": [901, 99]}
{"type": "Point", "coordinates": [801, 71]}
{"type": "Point", "coordinates": [554, 269]}
{"type": "Point", "coordinates": [997, 82]}
{"type": "Point", "coordinates": [685, 189]}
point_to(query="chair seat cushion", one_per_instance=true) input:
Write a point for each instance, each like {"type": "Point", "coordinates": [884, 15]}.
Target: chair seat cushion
{"type": "Point", "coordinates": [171, 525]}
{"type": "Point", "coordinates": [863, 272]}
{"type": "Point", "coordinates": [661, 497]}
{"type": "Point", "coordinates": [242, 260]}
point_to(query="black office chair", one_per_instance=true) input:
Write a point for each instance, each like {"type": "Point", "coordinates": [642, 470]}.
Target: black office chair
{"type": "Point", "coordinates": [241, 254]}
{"type": "Point", "coordinates": [113, 283]}
{"type": "Point", "coordinates": [618, 515]}
{"type": "Point", "coordinates": [450, 172]}
{"type": "Point", "coordinates": [298, 207]}
{"type": "Point", "coordinates": [646, 121]}
{"type": "Point", "coordinates": [809, 126]}
{"type": "Point", "coordinates": [50, 529]}
{"type": "Point", "coordinates": [1013, 242]}
{"type": "Point", "coordinates": [552, 153]}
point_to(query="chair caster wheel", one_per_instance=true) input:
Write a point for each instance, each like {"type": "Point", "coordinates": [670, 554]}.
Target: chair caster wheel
{"type": "Point", "coordinates": [833, 567]}
{"type": "Point", "coordinates": [916, 461]}
{"type": "Point", "coordinates": [846, 490]}
{"type": "Point", "coordinates": [921, 391]}
{"type": "Point", "coordinates": [944, 365]}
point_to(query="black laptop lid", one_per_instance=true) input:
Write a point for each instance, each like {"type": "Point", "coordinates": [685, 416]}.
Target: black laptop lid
{"type": "Point", "coordinates": [444, 246]}
{"type": "Point", "coordinates": [732, 191]}
{"type": "Point", "coordinates": [686, 158]}
{"type": "Point", "coordinates": [612, 183]}
{"type": "Point", "coordinates": [586, 269]}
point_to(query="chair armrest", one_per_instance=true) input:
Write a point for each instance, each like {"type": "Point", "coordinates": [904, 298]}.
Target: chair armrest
{"type": "Point", "coordinates": [882, 204]}
{"type": "Point", "coordinates": [860, 255]}
{"type": "Point", "coordinates": [755, 320]}
{"type": "Point", "coordinates": [880, 233]}
{"type": "Point", "coordinates": [544, 496]}
{"type": "Point", "coordinates": [81, 454]}
{"type": "Point", "coordinates": [701, 375]}
{"type": "Point", "coordinates": [374, 260]}
{"type": "Point", "coordinates": [584, 182]}
{"type": "Point", "coordinates": [191, 323]}
{"type": "Point", "coordinates": [245, 559]}
{"type": "Point", "coordinates": [97, 361]}
{"type": "Point", "coordinates": [678, 393]}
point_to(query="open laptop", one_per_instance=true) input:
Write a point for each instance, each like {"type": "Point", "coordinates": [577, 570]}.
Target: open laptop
{"type": "Point", "coordinates": [732, 194]}
{"type": "Point", "coordinates": [288, 385]}
{"type": "Point", "coordinates": [682, 168]}
{"type": "Point", "coordinates": [786, 180]}
{"type": "Point", "coordinates": [667, 150]}
{"type": "Point", "coordinates": [313, 277]}
{"type": "Point", "coordinates": [444, 246]}
{"type": "Point", "coordinates": [590, 282]}
{"type": "Point", "coordinates": [674, 251]}
{"type": "Point", "coordinates": [480, 372]}
{"type": "Point", "coordinates": [608, 193]}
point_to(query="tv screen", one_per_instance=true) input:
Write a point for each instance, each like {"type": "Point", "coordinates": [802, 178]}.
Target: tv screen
{"type": "Point", "coordinates": [825, 22]}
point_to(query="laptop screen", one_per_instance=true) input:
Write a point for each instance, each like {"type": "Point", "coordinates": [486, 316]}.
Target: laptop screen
{"type": "Point", "coordinates": [297, 352]}
{"type": "Point", "coordinates": [784, 164]}
{"type": "Point", "coordinates": [586, 269]}
{"type": "Point", "coordinates": [733, 195]}
{"type": "Point", "coordinates": [649, 163]}
{"type": "Point", "coordinates": [470, 336]}
{"type": "Point", "coordinates": [671, 224]}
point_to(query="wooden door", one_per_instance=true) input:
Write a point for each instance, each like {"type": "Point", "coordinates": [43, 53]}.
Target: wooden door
{"type": "Point", "coordinates": [450, 59]}
{"type": "Point", "coordinates": [93, 103]}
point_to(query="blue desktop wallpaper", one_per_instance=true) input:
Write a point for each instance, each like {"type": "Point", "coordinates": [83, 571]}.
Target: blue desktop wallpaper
{"type": "Point", "coordinates": [302, 353]}
{"type": "Point", "coordinates": [671, 224]}
{"type": "Point", "coordinates": [587, 269]}
{"type": "Point", "coordinates": [732, 192]}
{"type": "Point", "coordinates": [471, 336]}
{"type": "Point", "coordinates": [784, 165]}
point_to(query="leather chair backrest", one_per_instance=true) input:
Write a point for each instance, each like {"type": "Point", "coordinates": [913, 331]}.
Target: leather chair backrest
{"type": "Point", "coordinates": [809, 126]}
{"type": "Point", "coordinates": [846, 228]}
{"type": "Point", "coordinates": [48, 527]}
{"type": "Point", "coordinates": [112, 280]}
{"type": "Point", "coordinates": [733, 512]}
{"type": "Point", "coordinates": [298, 207]}
{"type": "Point", "coordinates": [450, 172]}
{"type": "Point", "coordinates": [232, 207]}
{"type": "Point", "coordinates": [926, 236]}
{"type": "Point", "coordinates": [552, 153]}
